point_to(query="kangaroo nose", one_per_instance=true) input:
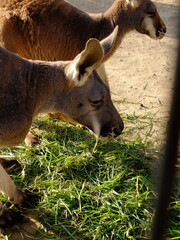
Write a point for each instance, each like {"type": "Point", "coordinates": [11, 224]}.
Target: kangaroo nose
{"type": "Point", "coordinates": [117, 131]}
{"type": "Point", "coordinates": [111, 131]}
{"type": "Point", "coordinates": [164, 29]}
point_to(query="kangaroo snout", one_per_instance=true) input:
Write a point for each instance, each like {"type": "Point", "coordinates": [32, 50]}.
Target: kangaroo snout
{"type": "Point", "coordinates": [111, 131]}
{"type": "Point", "coordinates": [160, 32]}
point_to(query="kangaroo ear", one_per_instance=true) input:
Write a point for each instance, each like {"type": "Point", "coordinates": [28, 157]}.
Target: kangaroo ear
{"type": "Point", "coordinates": [82, 66]}
{"type": "Point", "coordinates": [108, 42]}
{"type": "Point", "coordinates": [133, 3]}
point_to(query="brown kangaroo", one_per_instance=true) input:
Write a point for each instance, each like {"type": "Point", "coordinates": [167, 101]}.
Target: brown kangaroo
{"type": "Point", "coordinates": [73, 87]}
{"type": "Point", "coordinates": [54, 30]}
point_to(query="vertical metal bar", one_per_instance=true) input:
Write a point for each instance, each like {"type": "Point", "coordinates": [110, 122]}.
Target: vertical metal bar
{"type": "Point", "coordinates": [170, 159]}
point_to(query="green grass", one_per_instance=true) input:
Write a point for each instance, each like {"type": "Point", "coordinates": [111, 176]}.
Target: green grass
{"type": "Point", "coordinates": [90, 190]}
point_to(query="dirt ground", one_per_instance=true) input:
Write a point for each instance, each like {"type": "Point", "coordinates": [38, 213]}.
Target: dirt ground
{"type": "Point", "coordinates": [141, 72]}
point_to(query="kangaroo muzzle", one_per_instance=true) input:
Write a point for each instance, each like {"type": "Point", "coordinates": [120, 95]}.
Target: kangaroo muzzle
{"type": "Point", "coordinates": [111, 131]}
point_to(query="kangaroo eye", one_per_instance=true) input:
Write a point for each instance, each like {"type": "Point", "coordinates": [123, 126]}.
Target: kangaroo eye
{"type": "Point", "coordinates": [96, 103]}
{"type": "Point", "coordinates": [150, 13]}
{"type": "Point", "coordinates": [80, 105]}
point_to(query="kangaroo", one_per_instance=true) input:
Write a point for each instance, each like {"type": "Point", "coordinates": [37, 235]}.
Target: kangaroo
{"type": "Point", "coordinates": [73, 87]}
{"type": "Point", "coordinates": [55, 30]}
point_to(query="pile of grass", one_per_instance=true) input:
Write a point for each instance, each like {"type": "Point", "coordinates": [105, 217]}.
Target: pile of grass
{"type": "Point", "coordinates": [90, 190]}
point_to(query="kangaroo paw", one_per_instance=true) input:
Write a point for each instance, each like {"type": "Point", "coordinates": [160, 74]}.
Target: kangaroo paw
{"type": "Point", "coordinates": [10, 218]}
{"type": "Point", "coordinates": [18, 226]}
{"type": "Point", "coordinates": [9, 163]}
{"type": "Point", "coordinates": [29, 199]}
{"type": "Point", "coordinates": [31, 139]}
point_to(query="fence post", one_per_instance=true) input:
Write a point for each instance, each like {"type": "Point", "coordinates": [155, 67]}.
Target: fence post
{"type": "Point", "coordinates": [170, 158]}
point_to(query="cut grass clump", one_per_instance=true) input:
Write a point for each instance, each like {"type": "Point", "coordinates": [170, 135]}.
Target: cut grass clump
{"type": "Point", "coordinates": [88, 192]}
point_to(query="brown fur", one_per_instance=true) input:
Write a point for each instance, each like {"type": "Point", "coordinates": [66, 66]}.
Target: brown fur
{"type": "Point", "coordinates": [31, 87]}
{"type": "Point", "coordinates": [28, 88]}
{"type": "Point", "coordinates": [56, 30]}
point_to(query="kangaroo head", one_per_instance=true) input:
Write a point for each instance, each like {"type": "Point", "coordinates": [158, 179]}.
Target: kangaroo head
{"type": "Point", "coordinates": [88, 99]}
{"type": "Point", "coordinates": [147, 20]}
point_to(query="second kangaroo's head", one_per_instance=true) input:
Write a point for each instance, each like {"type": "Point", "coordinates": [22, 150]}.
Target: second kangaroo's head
{"type": "Point", "coordinates": [147, 19]}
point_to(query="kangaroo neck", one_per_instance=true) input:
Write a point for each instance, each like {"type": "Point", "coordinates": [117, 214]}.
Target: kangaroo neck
{"type": "Point", "coordinates": [43, 81]}
{"type": "Point", "coordinates": [121, 14]}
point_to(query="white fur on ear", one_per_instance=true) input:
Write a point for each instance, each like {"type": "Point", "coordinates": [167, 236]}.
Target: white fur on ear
{"type": "Point", "coordinates": [82, 66]}
{"type": "Point", "coordinates": [133, 3]}
{"type": "Point", "coordinates": [74, 75]}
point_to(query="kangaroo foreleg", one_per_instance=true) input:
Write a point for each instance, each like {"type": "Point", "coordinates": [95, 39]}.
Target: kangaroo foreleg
{"type": "Point", "coordinates": [9, 218]}
{"type": "Point", "coordinates": [23, 198]}
{"type": "Point", "coordinates": [31, 139]}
